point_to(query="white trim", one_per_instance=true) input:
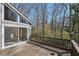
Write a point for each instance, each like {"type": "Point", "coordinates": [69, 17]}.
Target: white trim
{"type": "Point", "coordinates": [27, 34]}
{"type": "Point", "coordinates": [2, 12]}
{"type": "Point", "coordinates": [3, 36]}
{"type": "Point", "coordinates": [18, 42]}
{"type": "Point", "coordinates": [18, 34]}
{"type": "Point", "coordinates": [14, 24]}
{"type": "Point", "coordinates": [9, 46]}
{"type": "Point", "coordinates": [5, 47]}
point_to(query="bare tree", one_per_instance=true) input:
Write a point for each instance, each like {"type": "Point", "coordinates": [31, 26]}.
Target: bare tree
{"type": "Point", "coordinates": [65, 9]}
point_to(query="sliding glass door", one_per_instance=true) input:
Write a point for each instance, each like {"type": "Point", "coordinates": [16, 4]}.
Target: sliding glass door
{"type": "Point", "coordinates": [11, 35]}
{"type": "Point", "coordinates": [14, 35]}
{"type": "Point", "coordinates": [22, 34]}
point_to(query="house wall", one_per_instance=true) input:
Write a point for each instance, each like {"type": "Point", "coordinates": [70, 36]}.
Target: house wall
{"type": "Point", "coordinates": [4, 23]}
{"type": "Point", "coordinates": [29, 32]}
{"type": "Point", "coordinates": [0, 26]}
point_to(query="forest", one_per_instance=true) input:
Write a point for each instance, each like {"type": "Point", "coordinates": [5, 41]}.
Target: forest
{"type": "Point", "coordinates": [55, 20]}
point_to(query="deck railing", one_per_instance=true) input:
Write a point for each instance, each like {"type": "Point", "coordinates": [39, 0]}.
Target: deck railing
{"type": "Point", "coordinates": [74, 48]}
{"type": "Point", "coordinates": [70, 45]}
{"type": "Point", "coordinates": [55, 42]}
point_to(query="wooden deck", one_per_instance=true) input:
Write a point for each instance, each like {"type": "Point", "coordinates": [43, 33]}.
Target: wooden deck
{"type": "Point", "coordinates": [25, 49]}
{"type": "Point", "coordinates": [28, 49]}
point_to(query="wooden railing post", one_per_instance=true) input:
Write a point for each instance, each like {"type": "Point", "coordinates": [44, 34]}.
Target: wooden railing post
{"type": "Point", "coordinates": [74, 48]}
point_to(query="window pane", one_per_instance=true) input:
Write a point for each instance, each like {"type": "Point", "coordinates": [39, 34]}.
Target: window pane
{"type": "Point", "coordinates": [11, 35]}
{"type": "Point", "coordinates": [23, 21]}
{"type": "Point", "coordinates": [9, 15]}
{"type": "Point", "coordinates": [22, 34]}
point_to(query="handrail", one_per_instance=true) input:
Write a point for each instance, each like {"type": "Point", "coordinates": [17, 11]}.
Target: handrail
{"type": "Point", "coordinates": [59, 43]}
{"type": "Point", "coordinates": [75, 48]}
{"type": "Point", "coordinates": [52, 38]}
{"type": "Point", "coordinates": [55, 42]}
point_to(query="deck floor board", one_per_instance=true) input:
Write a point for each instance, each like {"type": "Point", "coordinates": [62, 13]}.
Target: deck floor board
{"type": "Point", "coordinates": [27, 49]}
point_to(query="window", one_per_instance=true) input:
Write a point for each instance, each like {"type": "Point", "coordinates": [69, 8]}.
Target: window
{"type": "Point", "coordinates": [22, 34]}
{"type": "Point", "coordinates": [23, 21]}
{"type": "Point", "coordinates": [11, 35]}
{"type": "Point", "coordinates": [9, 15]}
